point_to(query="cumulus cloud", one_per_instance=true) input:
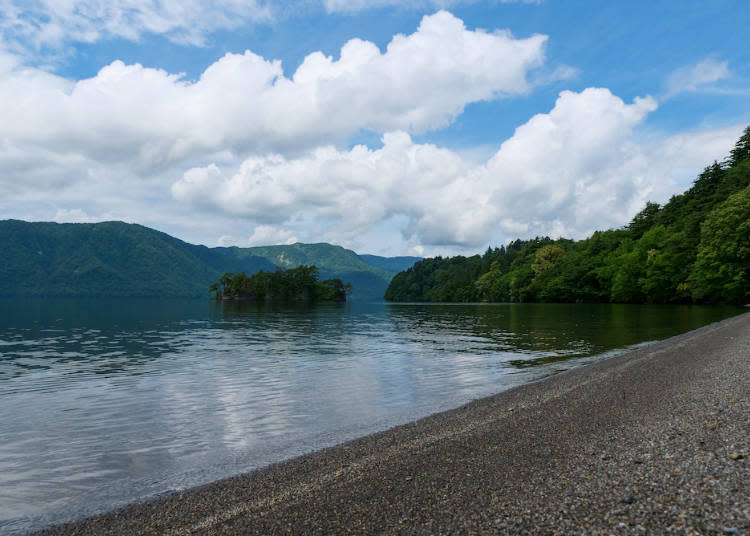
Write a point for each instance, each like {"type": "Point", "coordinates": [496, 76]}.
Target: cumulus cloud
{"type": "Point", "coordinates": [352, 190]}
{"type": "Point", "coordinates": [51, 23]}
{"type": "Point", "coordinates": [693, 77]}
{"type": "Point", "coordinates": [263, 235]}
{"type": "Point", "coordinates": [268, 235]}
{"type": "Point", "coordinates": [568, 172]}
{"type": "Point", "coordinates": [148, 120]}
{"type": "Point", "coordinates": [248, 147]}
{"type": "Point", "coordinates": [73, 215]}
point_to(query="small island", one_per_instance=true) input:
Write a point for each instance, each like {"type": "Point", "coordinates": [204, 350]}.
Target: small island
{"type": "Point", "coordinates": [298, 284]}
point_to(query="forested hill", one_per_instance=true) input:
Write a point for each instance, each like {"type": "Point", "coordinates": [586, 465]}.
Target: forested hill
{"type": "Point", "coordinates": [694, 249]}
{"type": "Point", "coordinates": [391, 264]}
{"type": "Point", "coordinates": [115, 259]}
{"type": "Point", "coordinates": [368, 279]}
{"type": "Point", "coordinates": [109, 259]}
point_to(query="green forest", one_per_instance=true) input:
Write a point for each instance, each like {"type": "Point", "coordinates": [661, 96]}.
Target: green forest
{"type": "Point", "coordinates": [292, 285]}
{"type": "Point", "coordinates": [694, 249]}
{"type": "Point", "coordinates": [116, 259]}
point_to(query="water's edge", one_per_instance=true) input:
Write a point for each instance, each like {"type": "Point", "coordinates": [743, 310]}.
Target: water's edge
{"type": "Point", "coordinates": [603, 361]}
{"type": "Point", "coordinates": [188, 399]}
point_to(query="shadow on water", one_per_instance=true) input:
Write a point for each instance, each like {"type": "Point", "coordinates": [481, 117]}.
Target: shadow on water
{"type": "Point", "coordinates": [109, 336]}
{"type": "Point", "coordinates": [549, 333]}
{"type": "Point", "coordinates": [114, 337]}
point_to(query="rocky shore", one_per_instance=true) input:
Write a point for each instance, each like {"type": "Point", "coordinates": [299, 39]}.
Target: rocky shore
{"type": "Point", "coordinates": [655, 441]}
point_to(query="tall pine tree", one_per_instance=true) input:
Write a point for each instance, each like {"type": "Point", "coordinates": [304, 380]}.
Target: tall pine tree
{"type": "Point", "coordinates": [741, 150]}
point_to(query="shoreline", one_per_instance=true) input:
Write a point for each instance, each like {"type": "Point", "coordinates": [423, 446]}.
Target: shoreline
{"type": "Point", "coordinates": [642, 441]}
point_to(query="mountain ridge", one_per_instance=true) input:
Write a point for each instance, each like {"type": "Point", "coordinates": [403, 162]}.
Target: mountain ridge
{"type": "Point", "coordinates": [117, 259]}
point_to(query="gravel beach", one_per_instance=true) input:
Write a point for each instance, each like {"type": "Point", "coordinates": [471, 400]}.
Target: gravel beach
{"type": "Point", "coordinates": [654, 441]}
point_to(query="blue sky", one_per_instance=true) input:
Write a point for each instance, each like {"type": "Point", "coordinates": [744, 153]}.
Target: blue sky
{"type": "Point", "coordinates": [446, 127]}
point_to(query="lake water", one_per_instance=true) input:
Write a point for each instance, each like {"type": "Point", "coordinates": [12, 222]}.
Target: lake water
{"type": "Point", "coordinates": [108, 402]}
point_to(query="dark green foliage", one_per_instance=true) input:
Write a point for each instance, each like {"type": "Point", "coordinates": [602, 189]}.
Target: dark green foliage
{"type": "Point", "coordinates": [438, 280]}
{"type": "Point", "coordinates": [107, 259]}
{"type": "Point", "coordinates": [368, 274]}
{"type": "Point", "coordinates": [722, 269]}
{"type": "Point", "coordinates": [644, 220]}
{"type": "Point", "coordinates": [332, 290]}
{"type": "Point", "coordinates": [392, 264]}
{"type": "Point", "coordinates": [696, 248]}
{"type": "Point", "coordinates": [115, 259]}
{"type": "Point", "coordinates": [741, 151]}
{"type": "Point", "coordinates": [296, 284]}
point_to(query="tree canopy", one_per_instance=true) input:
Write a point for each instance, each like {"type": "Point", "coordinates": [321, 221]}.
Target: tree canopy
{"type": "Point", "coordinates": [694, 249]}
{"type": "Point", "coordinates": [296, 284]}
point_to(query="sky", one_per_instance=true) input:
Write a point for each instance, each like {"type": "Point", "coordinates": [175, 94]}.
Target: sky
{"type": "Point", "coordinates": [432, 127]}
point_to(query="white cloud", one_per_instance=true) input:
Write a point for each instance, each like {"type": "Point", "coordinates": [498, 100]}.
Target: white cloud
{"type": "Point", "coordinates": [541, 174]}
{"type": "Point", "coordinates": [585, 165]}
{"type": "Point", "coordinates": [352, 190]}
{"type": "Point", "coordinates": [74, 215]}
{"type": "Point", "coordinates": [263, 235]}
{"type": "Point", "coordinates": [268, 235]}
{"type": "Point", "coordinates": [52, 23]}
{"type": "Point", "coordinates": [353, 6]}
{"type": "Point", "coordinates": [693, 77]}
{"type": "Point", "coordinates": [559, 73]}
{"type": "Point", "coordinates": [578, 168]}
{"type": "Point", "coordinates": [263, 150]}
{"type": "Point", "coordinates": [147, 121]}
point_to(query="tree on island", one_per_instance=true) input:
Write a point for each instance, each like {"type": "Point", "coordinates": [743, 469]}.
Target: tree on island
{"type": "Point", "coordinates": [292, 285]}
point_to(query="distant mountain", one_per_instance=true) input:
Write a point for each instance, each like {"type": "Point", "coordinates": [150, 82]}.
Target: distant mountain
{"type": "Point", "coordinates": [108, 259]}
{"type": "Point", "coordinates": [392, 264]}
{"type": "Point", "coordinates": [368, 274]}
{"type": "Point", "coordinates": [115, 259]}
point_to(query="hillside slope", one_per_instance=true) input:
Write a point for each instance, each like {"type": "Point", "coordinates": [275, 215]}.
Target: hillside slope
{"type": "Point", "coordinates": [108, 259]}
{"type": "Point", "coordinates": [116, 259]}
{"type": "Point", "coordinates": [694, 249]}
{"type": "Point", "coordinates": [392, 264]}
{"type": "Point", "coordinates": [369, 281]}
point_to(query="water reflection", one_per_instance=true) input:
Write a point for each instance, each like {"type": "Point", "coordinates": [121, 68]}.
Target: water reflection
{"type": "Point", "coordinates": [108, 402]}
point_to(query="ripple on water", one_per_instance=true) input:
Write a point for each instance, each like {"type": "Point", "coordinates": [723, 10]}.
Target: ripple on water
{"type": "Point", "coordinates": [103, 407]}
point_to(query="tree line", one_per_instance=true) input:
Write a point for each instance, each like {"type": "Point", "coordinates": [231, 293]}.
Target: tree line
{"type": "Point", "coordinates": [694, 249]}
{"type": "Point", "coordinates": [292, 285]}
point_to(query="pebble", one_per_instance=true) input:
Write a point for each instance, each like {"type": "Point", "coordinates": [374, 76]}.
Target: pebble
{"type": "Point", "coordinates": [538, 470]}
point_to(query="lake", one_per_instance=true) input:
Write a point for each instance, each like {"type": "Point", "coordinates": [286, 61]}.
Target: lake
{"type": "Point", "coordinates": [108, 402]}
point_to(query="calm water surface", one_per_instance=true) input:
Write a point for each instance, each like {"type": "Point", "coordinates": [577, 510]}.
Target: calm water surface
{"type": "Point", "coordinates": [108, 402]}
